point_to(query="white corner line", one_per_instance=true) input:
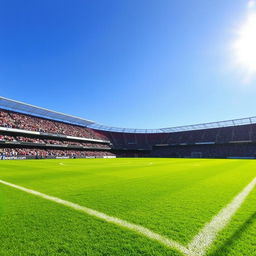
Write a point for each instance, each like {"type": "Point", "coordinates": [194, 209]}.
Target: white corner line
{"type": "Point", "coordinates": [197, 247]}
{"type": "Point", "coordinates": [202, 241]}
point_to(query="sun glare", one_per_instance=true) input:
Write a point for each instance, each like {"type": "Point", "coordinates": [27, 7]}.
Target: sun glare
{"type": "Point", "coordinates": [245, 46]}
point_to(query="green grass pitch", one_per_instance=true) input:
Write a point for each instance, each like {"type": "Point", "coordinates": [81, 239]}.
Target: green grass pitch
{"type": "Point", "coordinates": [172, 197]}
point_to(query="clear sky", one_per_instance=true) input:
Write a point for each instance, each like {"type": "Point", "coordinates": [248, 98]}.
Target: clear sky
{"type": "Point", "coordinates": [130, 63]}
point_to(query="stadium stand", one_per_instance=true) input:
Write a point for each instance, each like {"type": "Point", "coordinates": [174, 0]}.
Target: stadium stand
{"type": "Point", "coordinates": [27, 136]}
{"type": "Point", "coordinates": [32, 132]}
{"type": "Point", "coordinates": [12, 153]}
{"type": "Point", "coordinates": [224, 142]}
{"type": "Point", "coordinates": [25, 122]}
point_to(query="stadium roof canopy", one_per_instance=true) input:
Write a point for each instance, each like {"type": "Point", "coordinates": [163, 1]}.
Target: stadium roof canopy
{"type": "Point", "coordinates": [234, 122]}
{"type": "Point", "coordinates": [46, 113]}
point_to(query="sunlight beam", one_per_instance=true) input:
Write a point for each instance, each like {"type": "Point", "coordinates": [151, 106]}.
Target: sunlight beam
{"type": "Point", "coordinates": [245, 45]}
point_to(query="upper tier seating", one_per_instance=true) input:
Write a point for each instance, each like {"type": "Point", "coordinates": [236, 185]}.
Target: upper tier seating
{"type": "Point", "coordinates": [222, 135]}
{"type": "Point", "coordinates": [32, 123]}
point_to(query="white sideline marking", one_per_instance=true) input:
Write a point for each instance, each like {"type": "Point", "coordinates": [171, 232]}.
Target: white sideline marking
{"type": "Point", "coordinates": [122, 223]}
{"type": "Point", "coordinates": [199, 244]}
{"type": "Point", "coordinates": [208, 234]}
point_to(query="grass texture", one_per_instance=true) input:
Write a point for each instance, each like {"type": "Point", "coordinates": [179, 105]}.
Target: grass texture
{"type": "Point", "coordinates": [173, 197]}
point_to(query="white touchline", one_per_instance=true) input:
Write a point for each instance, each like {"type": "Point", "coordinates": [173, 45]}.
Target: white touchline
{"type": "Point", "coordinates": [122, 223]}
{"type": "Point", "coordinates": [200, 242]}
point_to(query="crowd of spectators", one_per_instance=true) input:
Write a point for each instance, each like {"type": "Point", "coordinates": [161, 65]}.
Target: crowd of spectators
{"type": "Point", "coordinates": [28, 139]}
{"type": "Point", "coordinates": [7, 138]}
{"type": "Point", "coordinates": [52, 142]}
{"type": "Point", "coordinates": [21, 121]}
{"type": "Point", "coordinates": [76, 143]}
{"type": "Point", "coordinates": [43, 153]}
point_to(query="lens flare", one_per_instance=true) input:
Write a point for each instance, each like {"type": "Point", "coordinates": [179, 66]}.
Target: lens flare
{"type": "Point", "coordinates": [245, 46]}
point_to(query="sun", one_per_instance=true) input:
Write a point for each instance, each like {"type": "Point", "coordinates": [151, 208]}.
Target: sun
{"type": "Point", "coordinates": [245, 45]}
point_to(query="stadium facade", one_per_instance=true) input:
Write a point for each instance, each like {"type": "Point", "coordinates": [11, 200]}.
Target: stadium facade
{"type": "Point", "coordinates": [28, 131]}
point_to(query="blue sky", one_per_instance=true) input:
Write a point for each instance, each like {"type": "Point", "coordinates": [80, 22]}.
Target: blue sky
{"type": "Point", "coordinates": [126, 63]}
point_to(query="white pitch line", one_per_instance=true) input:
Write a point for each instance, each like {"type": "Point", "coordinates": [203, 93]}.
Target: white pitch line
{"type": "Point", "coordinates": [200, 243]}
{"type": "Point", "coordinates": [208, 234]}
{"type": "Point", "coordinates": [122, 223]}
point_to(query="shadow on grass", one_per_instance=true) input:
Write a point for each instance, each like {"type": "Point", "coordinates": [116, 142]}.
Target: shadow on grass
{"type": "Point", "coordinates": [224, 249]}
